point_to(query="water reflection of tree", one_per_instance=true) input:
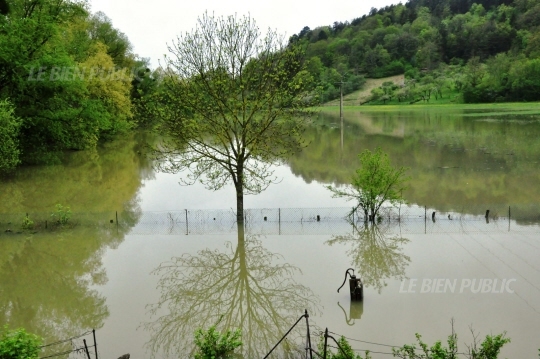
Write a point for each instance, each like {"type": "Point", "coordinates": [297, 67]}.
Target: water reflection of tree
{"type": "Point", "coordinates": [376, 254]}
{"type": "Point", "coordinates": [46, 278]}
{"type": "Point", "coordinates": [243, 287]}
{"type": "Point", "coordinates": [428, 141]}
{"type": "Point", "coordinates": [45, 283]}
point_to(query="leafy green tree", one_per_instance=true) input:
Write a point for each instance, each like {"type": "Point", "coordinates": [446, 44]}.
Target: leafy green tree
{"type": "Point", "coordinates": [18, 344]}
{"type": "Point", "coordinates": [118, 46]}
{"type": "Point", "coordinates": [389, 88]}
{"type": "Point", "coordinates": [378, 94]}
{"type": "Point", "coordinates": [60, 81]}
{"type": "Point", "coordinates": [376, 182]}
{"type": "Point", "coordinates": [524, 77]}
{"type": "Point", "coordinates": [376, 58]}
{"type": "Point", "coordinates": [9, 137]}
{"type": "Point", "coordinates": [244, 101]}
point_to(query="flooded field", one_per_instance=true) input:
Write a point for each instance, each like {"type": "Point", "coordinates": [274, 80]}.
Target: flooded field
{"type": "Point", "coordinates": [146, 285]}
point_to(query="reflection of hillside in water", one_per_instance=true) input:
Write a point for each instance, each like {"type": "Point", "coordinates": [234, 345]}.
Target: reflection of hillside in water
{"type": "Point", "coordinates": [103, 180]}
{"type": "Point", "coordinates": [376, 253]}
{"type": "Point", "coordinates": [455, 161]}
{"type": "Point", "coordinates": [46, 277]}
{"type": "Point", "coordinates": [243, 287]}
{"type": "Point", "coordinates": [46, 280]}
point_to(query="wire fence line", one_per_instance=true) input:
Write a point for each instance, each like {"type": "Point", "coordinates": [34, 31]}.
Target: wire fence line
{"type": "Point", "coordinates": [291, 221]}
{"type": "Point", "coordinates": [73, 347]}
{"type": "Point", "coordinates": [377, 345]}
{"type": "Point", "coordinates": [287, 221]}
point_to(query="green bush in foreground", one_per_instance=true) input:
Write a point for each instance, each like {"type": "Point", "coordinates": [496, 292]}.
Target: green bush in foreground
{"type": "Point", "coordinates": [344, 351]}
{"type": "Point", "coordinates": [211, 344]}
{"type": "Point", "coordinates": [18, 344]}
{"type": "Point", "coordinates": [488, 349]}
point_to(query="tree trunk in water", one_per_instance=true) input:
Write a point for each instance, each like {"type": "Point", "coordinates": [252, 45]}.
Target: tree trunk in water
{"type": "Point", "coordinates": [239, 205]}
{"type": "Point", "coordinates": [239, 186]}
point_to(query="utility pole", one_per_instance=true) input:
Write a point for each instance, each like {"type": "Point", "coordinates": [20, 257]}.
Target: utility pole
{"type": "Point", "coordinates": [341, 110]}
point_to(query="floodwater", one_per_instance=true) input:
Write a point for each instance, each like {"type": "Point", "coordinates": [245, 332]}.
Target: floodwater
{"type": "Point", "coordinates": [146, 286]}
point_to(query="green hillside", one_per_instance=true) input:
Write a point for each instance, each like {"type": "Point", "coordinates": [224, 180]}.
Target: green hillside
{"type": "Point", "coordinates": [486, 51]}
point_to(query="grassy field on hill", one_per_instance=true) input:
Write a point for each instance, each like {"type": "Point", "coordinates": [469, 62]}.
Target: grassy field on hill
{"type": "Point", "coordinates": [357, 97]}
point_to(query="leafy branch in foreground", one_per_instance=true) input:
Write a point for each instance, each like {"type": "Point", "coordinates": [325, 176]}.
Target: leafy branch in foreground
{"type": "Point", "coordinates": [212, 344]}
{"type": "Point", "coordinates": [18, 344]}
{"type": "Point", "coordinates": [488, 349]}
{"type": "Point", "coordinates": [344, 350]}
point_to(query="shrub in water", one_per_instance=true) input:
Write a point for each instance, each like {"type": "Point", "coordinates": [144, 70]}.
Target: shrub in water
{"type": "Point", "coordinates": [27, 223]}
{"type": "Point", "coordinates": [62, 214]}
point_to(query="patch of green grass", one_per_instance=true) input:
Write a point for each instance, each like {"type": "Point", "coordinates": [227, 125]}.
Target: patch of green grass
{"type": "Point", "coordinates": [471, 110]}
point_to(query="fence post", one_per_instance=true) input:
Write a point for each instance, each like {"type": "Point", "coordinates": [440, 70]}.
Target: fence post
{"type": "Point", "coordinates": [308, 336]}
{"type": "Point", "coordinates": [325, 342]}
{"type": "Point", "coordinates": [187, 226]}
{"type": "Point", "coordinates": [509, 218]}
{"type": "Point", "coordinates": [279, 221]}
{"type": "Point", "coordinates": [95, 342]}
{"type": "Point", "coordinates": [116, 219]}
{"type": "Point", "coordinates": [425, 219]}
{"type": "Point", "coordinates": [86, 349]}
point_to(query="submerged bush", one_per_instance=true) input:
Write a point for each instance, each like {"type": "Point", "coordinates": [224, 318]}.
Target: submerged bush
{"type": "Point", "coordinates": [27, 223]}
{"type": "Point", "coordinates": [62, 214]}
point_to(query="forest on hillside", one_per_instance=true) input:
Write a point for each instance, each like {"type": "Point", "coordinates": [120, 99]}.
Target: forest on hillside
{"type": "Point", "coordinates": [69, 79]}
{"type": "Point", "coordinates": [485, 50]}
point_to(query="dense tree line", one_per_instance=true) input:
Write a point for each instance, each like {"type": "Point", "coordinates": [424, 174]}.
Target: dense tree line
{"type": "Point", "coordinates": [67, 79]}
{"type": "Point", "coordinates": [493, 46]}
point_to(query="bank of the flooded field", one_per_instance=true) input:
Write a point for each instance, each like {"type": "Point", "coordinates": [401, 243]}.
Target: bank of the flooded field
{"type": "Point", "coordinates": [420, 270]}
{"type": "Point", "coordinates": [494, 109]}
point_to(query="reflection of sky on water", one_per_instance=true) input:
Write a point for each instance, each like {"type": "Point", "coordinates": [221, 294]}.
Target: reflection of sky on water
{"type": "Point", "coordinates": [389, 317]}
{"type": "Point", "coordinates": [291, 192]}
